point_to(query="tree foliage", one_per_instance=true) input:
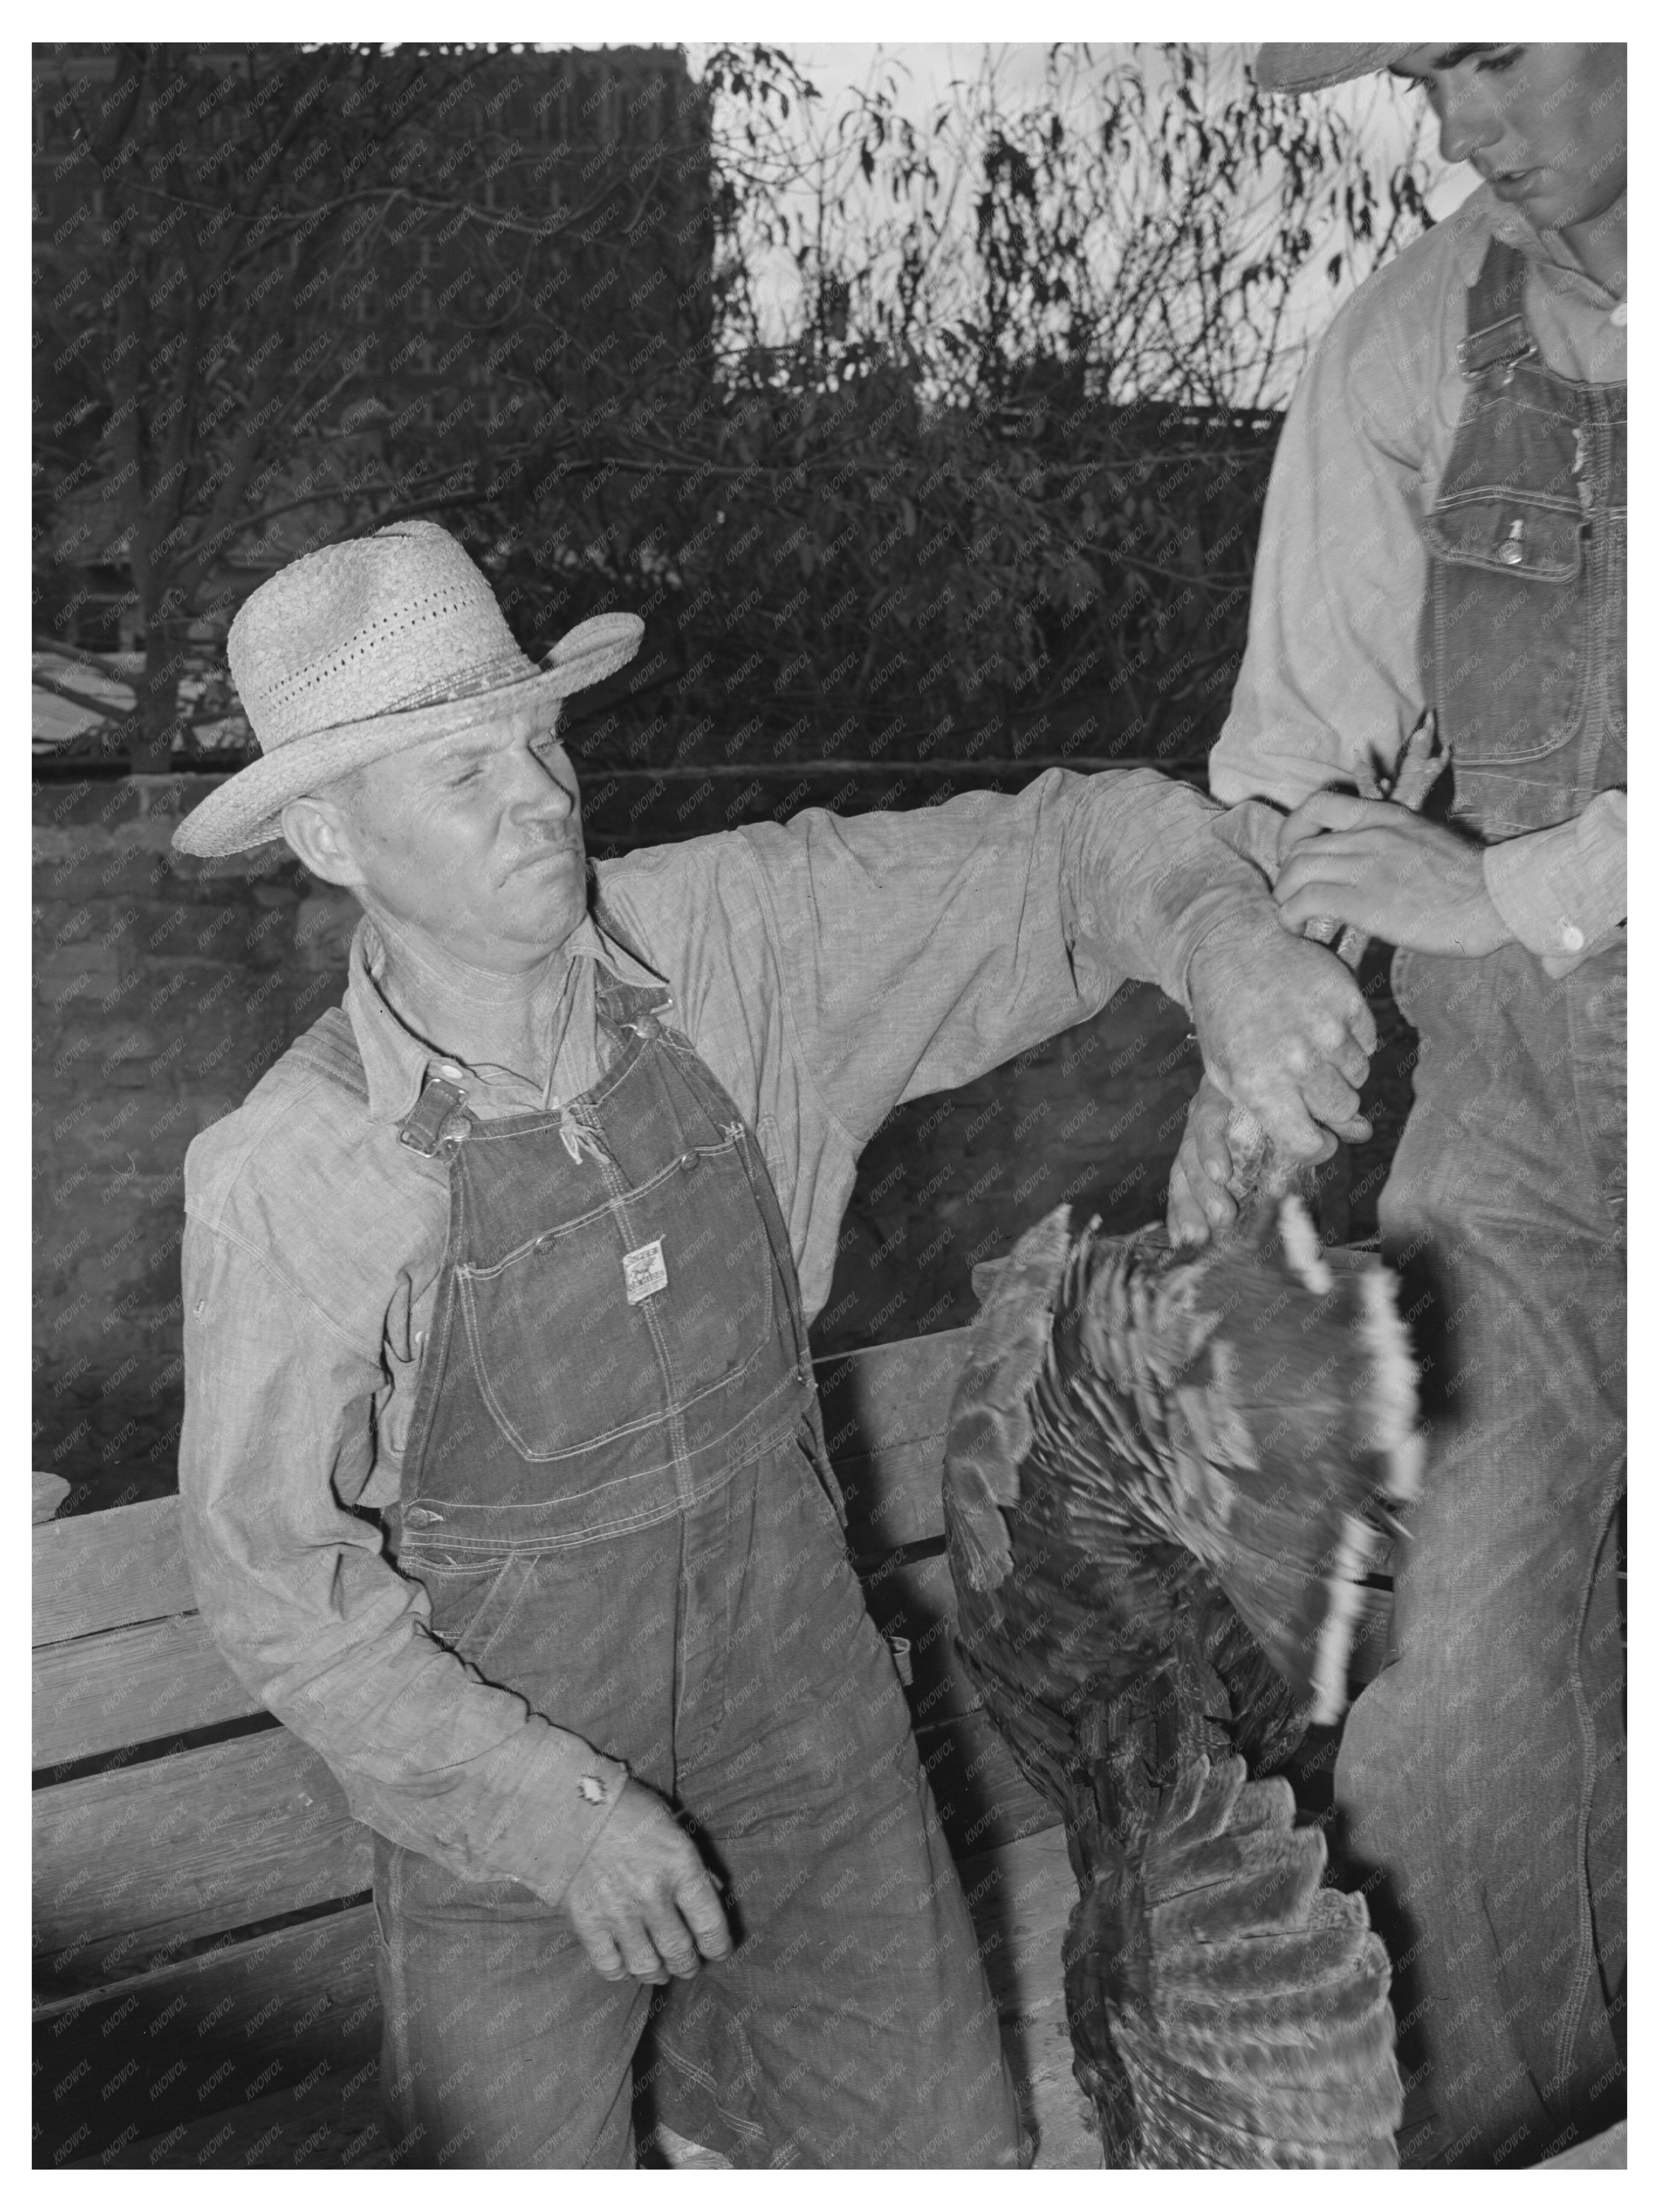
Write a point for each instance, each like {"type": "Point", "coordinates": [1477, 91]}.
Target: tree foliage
{"type": "Point", "coordinates": [928, 438]}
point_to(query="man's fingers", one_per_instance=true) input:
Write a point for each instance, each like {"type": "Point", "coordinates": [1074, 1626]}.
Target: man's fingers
{"type": "Point", "coordinates": [1351, 1061]}
{"type": "Point", "coordinates": [1330, 810]}
{"type": "Point", "coordinates": [1336, 1104]}
{"type": "Point", "coordinates": [1361, 1027]}
{"type": "Point", "coordinates": [1186, 1221]}
{"type": "Point", "coordinates": [603, 1954]}
{"type": "Point", "coordinates": [699, 1904]}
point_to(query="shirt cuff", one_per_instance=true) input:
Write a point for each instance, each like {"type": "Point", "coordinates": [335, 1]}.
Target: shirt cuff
{"type": "Point", "coordinates": [1251, 830]}
{"type": "Point", "coordinates": [1562, 891]}
{"type": "Point", "coordinates": [528, 1810]}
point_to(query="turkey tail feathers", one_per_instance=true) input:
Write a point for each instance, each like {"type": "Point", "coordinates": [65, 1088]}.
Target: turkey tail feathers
{"type": "Point", "coordinates": [1242, 2007]}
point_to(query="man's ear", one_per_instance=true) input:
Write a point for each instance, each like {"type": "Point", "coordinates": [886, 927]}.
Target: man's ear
{"type": "Point", "coordinates": [321, 835]}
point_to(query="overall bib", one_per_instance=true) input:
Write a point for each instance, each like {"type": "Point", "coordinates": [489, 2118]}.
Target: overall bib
{"type": "Point", "coordinates": [616, 1495]}
{"type": "Point", "coordinates": [1481, 1776]}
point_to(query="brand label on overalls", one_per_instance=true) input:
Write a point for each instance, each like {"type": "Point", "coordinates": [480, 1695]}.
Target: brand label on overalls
{"type": "Point", "coordinates": [645, 1271]}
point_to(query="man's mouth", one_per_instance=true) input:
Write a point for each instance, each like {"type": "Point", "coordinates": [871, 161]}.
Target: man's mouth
{"type": "Point", "coordinates": [1514, 184]}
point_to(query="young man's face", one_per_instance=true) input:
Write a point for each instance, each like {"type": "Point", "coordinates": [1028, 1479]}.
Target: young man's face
{"type": "Point", "coordinates": [475, 841]}
{"type": "Point", "coordinates": [1544, 124]}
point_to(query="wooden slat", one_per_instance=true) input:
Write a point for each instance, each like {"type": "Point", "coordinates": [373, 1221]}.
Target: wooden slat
{"type": "Point", "coordinates": [884, 1411]}
{"type": "Point", "coordinates": [119, 2066]}
{"type": "Point", "coordinates": [133, 1862]}
{"type": "Point", "coordinates": [50, 1492]}
{"type": "Point", "coordinates": [130, 1685]}
{"type": "Point", "coordinates": [100, 1571]}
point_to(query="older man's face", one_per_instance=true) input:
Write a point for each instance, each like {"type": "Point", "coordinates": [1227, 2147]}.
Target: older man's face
{"type": "Point", "coordinates": [475, 841]}
{"type": "Point", "coordinates": [1543, 124]}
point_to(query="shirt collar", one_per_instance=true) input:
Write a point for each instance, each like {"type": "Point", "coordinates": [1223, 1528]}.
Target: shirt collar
{"type": "Point", "coordinates": [396, 1061]}
{"type": "Point", "coordinates": [1484, 216]}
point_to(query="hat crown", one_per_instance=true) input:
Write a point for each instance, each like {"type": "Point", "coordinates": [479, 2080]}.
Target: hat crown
{"type": "Point", "coordinates": [376, 625]}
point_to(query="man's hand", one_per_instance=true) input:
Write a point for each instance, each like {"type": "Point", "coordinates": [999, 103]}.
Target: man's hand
{"type": "Point", "coordinates": [1284, 1031]}
{"type": "Point", "coordinates": [642, 1902]}
{"type": "Point", "coordinates": [1200, 1204]}
{"type": "Point", "coordinates": [1398, 876]}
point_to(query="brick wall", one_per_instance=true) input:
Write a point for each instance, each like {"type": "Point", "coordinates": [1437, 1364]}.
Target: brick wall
{"type": "Point", "coordinates": [163, 987]}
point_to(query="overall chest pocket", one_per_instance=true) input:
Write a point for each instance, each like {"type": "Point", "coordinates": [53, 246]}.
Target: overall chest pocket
{"type": "Point", "coordinates": [604, 1325]}
{"type": "Point", "coordinates": [1510, 610]}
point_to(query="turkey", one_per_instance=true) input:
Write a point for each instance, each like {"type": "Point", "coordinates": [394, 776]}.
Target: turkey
{"type": "Point", "coordinates": [1167, 1490]}
{"type": "Point", "coordinates": [1160, 1474]}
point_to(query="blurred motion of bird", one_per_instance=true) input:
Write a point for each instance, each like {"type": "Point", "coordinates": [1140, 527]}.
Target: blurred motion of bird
{"type": "Point", "coordinates": [1169, 1476]}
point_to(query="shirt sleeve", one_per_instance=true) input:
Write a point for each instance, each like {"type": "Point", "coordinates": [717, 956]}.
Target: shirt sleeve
{"type": "Point", "coordinates": [920, 950]}
{"type": "Point", "coordinates": [315, 1623]}
{"type": "Point", "coordinates": [1331, 666]}
{"type": "Point", "coordinates": [1562, 891]}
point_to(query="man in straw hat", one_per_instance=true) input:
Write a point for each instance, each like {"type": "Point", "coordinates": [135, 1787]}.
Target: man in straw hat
{"type": "Point", "coordinates": [516, 1250]}
{"type": "Point", "coordinates": [1445, 530]}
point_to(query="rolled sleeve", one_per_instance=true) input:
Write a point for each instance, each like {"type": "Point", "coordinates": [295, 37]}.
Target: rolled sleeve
{"type": "Point", "coordinates": [1563, 890]}
{"type": "Point", "coordinates": [314, 1621]}
{"type": "Point", "coordinates": [919, 951]}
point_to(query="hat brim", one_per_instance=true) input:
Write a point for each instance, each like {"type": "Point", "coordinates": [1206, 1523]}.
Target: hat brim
{"type": "Point", "coordinates": [1289, 68]}
{"type": "Point", "coordinates": [247, 809]}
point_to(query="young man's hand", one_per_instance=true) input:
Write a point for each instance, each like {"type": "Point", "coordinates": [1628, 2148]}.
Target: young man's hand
{"type": "Point", "coordinates": [1409, 882]}
{"type": "Point", "coordinates": [642, 1902]}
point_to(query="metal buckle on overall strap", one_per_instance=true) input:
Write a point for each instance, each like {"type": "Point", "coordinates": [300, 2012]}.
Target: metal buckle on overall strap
{"type": "Point", "coordinates": [1500, 338]}
{"type": "Point", "coordinates": [438, 1105]}
{"type": "Point", "coordinates": [1502, 346]}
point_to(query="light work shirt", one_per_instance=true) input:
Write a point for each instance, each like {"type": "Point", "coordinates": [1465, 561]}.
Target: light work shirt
{"type": "Point", "coordinates": [1332, 665]}
{"type": "Point", "coordinates": [826, 970]}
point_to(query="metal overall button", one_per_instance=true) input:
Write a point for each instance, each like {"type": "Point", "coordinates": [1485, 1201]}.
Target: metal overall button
{"type": "Point", "coordinates": [419, 1517]}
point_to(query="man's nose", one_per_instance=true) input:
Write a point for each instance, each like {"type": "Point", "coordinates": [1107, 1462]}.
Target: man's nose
{"type": "Point", "coordinates": [1469, 121]}
{"type": "Point", "coordinates": [545, 786]}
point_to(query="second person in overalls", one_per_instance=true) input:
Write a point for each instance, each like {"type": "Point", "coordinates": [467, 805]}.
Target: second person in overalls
{"type": "Point", "coordinates": [1446, 529]}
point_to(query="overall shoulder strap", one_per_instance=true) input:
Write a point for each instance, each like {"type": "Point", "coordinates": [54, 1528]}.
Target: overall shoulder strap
{"type": "Point", "coordinates": [1498, 336]}
{"type": "Point", "coordinates": [626, 1004]}
{"type": "Point", "coordinates": [329, 1048]}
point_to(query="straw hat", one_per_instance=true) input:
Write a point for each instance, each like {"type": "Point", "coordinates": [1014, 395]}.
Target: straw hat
{"type": "Point", "coordinates": [360, 649]}
{"type": "Point", "coordinates": [1311, 69]}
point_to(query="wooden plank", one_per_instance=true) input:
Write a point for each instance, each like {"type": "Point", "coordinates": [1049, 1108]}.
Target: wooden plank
{"type": "Point", "coordinates": [131, 1864]}
{"type": "Point", "coordinates": [1021, 1898]}
{"type": "Point", "coordinates": [884, 1411]}
{"type": "Point", "coordinates": [132, 2070]}
{"type": "Point", "coordinates": [100, 1571]}
{"type": "Point", "coordinates": [333, 2125]}
{"type": "Point", "coordinates": [130, 1685]}
{"type": "Point", "coordinates": [1610, 2151]}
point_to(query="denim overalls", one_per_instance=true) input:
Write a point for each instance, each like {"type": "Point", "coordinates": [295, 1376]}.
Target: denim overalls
{"type": "Point", "coordinates": [1483, 1772]}
{"type": "Point", "coordinates": [616, 1495]}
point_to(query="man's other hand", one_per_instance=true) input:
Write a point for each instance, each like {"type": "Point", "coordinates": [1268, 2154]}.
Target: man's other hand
{"type": "Point", "coordinates": [642, 1902]}
{"type": "Point", "coordinates": [1284, 1031]}
{"type": "Point", "coordinates": [1200, 1204]}
{"type": "Point", "coordinates": [1408, 881]}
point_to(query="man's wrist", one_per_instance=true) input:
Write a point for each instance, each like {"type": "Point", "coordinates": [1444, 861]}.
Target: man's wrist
{"type": "Point", "coordinates": [1245, 919]}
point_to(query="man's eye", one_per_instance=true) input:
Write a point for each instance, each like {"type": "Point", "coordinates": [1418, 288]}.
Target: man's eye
{"type": "Point", "coordinates": [1495, 64]}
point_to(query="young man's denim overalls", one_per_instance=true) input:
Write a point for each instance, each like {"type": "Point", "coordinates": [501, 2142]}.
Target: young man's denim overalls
{"type": "Point", "coordinates": [1484, 1770]}
{"type": "Point", "coordinates": [615, 1494]}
